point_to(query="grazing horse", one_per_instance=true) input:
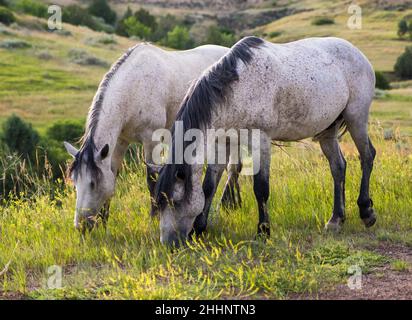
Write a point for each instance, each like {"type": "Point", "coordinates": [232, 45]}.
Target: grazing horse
{"type": "Point", "coordinates": [307, 88]}
{"type": "Point", "coordinates": [140, 94]}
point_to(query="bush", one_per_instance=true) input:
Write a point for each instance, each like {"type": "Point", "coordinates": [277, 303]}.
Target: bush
{"type": "Point", "coordinates": [100, 8]}
{"type": "Point", "coordinates": [20, 137]}
{"type": "Point", "coordinates": [120, 27]}
{"type": "Point", "coordinates": [78, 16]}
{"type": "Point", "coordinates": [381, 81]}
{"type": "Point", "coordinates": [14, 44]}
{"type": "Point", "coordinates": [145, 18]}
{"type": "Point", "coordinates": [274, 34]}
{"type": "Point", "coordinates": [164, 25]}
{"type": "Point", "coordinates": [31, 7]}
{"type": "Point", "coordinates": [136, 28]}
{"type": "Point", "coordinates": [402, 28]}
{"type": "Point", "coordinates": [6, 16]}
{"type": "Point", "coordinates": [178, 38]}
{"type": "Point", "coordinates": [83, 58]}
{"type": "Point", "coordinates": [403, 66]}
{"type": "Point", "coordinates": [4, 3]}
{"type": "Point", "coordinates": [65, 130]}
{"type": "Point", "coordinates": [220, 36]}
{"type": "Point", "coordinates": [320, 21]}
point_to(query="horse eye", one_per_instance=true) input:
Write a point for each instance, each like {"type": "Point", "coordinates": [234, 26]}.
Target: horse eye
{"type": "Point", "coordinates": [92, 185]}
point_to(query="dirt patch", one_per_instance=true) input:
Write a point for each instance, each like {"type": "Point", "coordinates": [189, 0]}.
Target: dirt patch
{"type": "Point", "coordinates": [381, 283]}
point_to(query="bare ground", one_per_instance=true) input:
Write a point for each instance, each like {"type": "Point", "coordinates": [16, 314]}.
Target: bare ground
{"type": "Point", "coordinates": [381, 283]}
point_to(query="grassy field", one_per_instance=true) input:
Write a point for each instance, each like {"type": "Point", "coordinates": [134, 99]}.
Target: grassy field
{"type": "Point", "coordinates": [128, 261]}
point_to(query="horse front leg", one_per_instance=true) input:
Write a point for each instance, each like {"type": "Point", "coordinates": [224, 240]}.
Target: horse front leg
{"type": "Point", "coordinates": [261, 185]}
{"type": "Point", "coordinates": [231, 198]}
{"type": "Point", "coordinates": [210, 183]}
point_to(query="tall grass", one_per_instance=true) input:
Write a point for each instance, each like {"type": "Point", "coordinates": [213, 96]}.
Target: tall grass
{"type": "Point", "coordinates": [128, 261]}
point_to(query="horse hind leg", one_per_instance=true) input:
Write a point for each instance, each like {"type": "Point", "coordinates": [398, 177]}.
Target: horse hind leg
{"type": "Point", "coordinates": [356, 118]}
{"type": "Point", "coordinates": [330, 147]}
{"type": "Point", "coordinates": [231, 198]}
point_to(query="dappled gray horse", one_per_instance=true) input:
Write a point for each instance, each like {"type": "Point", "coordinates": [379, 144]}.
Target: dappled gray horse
{"type": "Point", "coordinates": [292, 91]}
{"type": "Point", "coordinates": [140, 94]}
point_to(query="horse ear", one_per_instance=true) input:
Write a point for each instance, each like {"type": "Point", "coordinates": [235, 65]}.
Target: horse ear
{"type": "Point", "coordinates": [104, 152]}
{"type": "Point", "coordinates": [70, 149]}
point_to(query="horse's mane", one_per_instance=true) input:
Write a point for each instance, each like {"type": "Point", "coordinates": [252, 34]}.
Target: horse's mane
{"type": "Point", "coordinates": [209, 90]}
{"type": "Point", "coordinates": [86, 152]}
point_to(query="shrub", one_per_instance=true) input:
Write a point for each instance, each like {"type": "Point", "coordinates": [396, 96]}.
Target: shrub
{"type": "Point", "coordinates": [6, 16]}
{"type": "Point", "coordinates": [100, 8]}
{"type": "Point", "coordinates": [31, 7]}
{"type": "Point", "coordinates": [83, 58]}
{"type": "Point", "coordinates": [78, 16]}
{"type": "Point", "coordinates": [20, 137]}
{"type": "Point", "coordinates": [402, 28]}
{"type": "Point", "coordinates": [220, 36]}
{"type": "Point", "coordinates": [65, 130]}
{"type": "Point", "coordinates": [164, 25]}
{"type": "Point", "coordinates": [274, 34]}
{"type": "Point", "coordinates": [320, 21]}
{"type": "Point", "coordinates": [403, 66]}
{"type": "Point", "coordinates": [381, 81]}
{"type": "Point", "coordinates": [105, 40]}
{"type": "Point", "coordinates": [178, 38]}
{"type": "Point", "coordinates": [14, 44]}
{"type": "Point", "coordinates": [120, 27]}
{"type": "Point", "coordinates": [4, 3]}
{"type": "Point", "coordinates": [145, 18]}
{"type": "Point", "coordinates": [44, 55]}
{"type": "Point", "coordinates": [136, 28]}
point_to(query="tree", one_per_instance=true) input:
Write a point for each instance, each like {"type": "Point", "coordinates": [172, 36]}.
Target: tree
{"type": "Point", "coordinates": [145, 18]}
{"type": "Point", "coordinates": [179, 38]}
{"type": "Point", "coordinates": [403, 66]}
{"type": "Point", "coordinates": [220, 36]}
{"type": "Point", "coordinates": [100, 8]}
{"type": "Point", "coordinates": [164, 25]}
{"type": "Point", "coordinates": [136, 28]}
{"type": "Point", "coordinates": [121, 28]}
{"type": "Point", "coordinates": [20, 137]}
{"type": "Point", "coordinates": [402, 28]}
{"type": "Point", "coordinates": [381, 81]}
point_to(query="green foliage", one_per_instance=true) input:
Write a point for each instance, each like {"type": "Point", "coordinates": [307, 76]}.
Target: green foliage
{"type": "Point", "coordinates": [81, 57]}
{"type": "Point", "coordinates": [14, 44]}
{"type": "Point", "coordinates": [402, 28]}
{"type": "Point", "coordinates": [65, 130]}
{"type": "Point", "coordinates": [145, 18]}
{"type": "Point", "coordinates": [220, 36]}
{"type": "Point", "coordinates": [179, 38]}
{"type": "Point", "coordinates": [4, 3]}
{"type": "Point", "coordinates": [100, 8]}
{"type": "Point", "coordinates": [120, 27]}
{"type": "Point", "coordinates": [78, 16]}
{"type": "Point", "coordinates": [6, 16]}
{"type": "Point", "coordinates": [20, 137]}
{"type": "Point", "coordinates": [136, 28]}
{"type": "Point", "coordinates": [31, 7]}
{"type": "Point", "coordinates": [320, 21]}
{"type": "Point", "coordinates": [403, 66]}
{"type": "Point", "coordinates": [381, 81]}
{"type": "Point", "coordinates": [164, 25]}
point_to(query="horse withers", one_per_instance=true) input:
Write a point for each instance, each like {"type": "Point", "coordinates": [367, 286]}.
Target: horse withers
{"type": "Point", "coordinates": [307, 88]}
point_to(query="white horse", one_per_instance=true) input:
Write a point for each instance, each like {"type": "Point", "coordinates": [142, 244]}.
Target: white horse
{"type": "Point", "coordinates": [140, 94]}
{"type": "Point", "coordinates": [292, 91]}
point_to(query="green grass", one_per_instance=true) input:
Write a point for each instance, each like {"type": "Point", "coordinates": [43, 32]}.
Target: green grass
{"type": "Point", "coordinates": [128, 261]}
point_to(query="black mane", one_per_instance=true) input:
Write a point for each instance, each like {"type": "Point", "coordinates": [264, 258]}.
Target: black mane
{"type": "Point", "coordinates": [88, 147]}
{"type": "Point", "coordinates": [209, 90]}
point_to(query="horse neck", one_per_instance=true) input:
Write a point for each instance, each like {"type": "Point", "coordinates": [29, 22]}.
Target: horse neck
{"type": "Point", "coordinates": [108, 128]}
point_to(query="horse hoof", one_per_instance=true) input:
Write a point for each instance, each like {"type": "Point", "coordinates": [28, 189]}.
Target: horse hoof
{"type": "Point", "coordinates": [334, 226]}
{"type": "Point", "coordinates": [371, 219]}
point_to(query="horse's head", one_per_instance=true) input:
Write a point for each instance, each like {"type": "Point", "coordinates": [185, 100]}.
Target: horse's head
{"type": "Point", "coordinates": [94, 181]}
{"type": "Point", "coordinates": [180, 199]}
